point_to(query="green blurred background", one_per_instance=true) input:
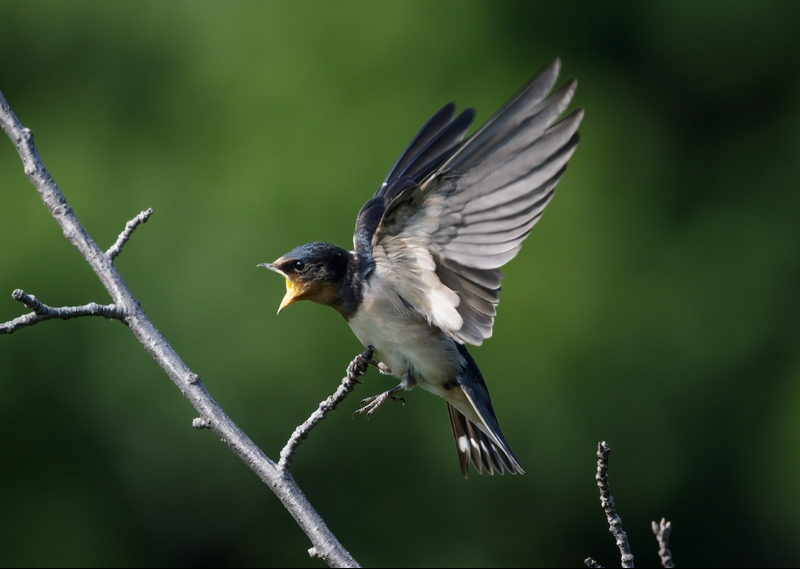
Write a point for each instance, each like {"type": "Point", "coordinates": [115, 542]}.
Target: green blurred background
{"type": "Point", "coordinates": [655, 306]}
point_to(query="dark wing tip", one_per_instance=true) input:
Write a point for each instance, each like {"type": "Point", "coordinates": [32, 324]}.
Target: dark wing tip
{"type": "Point", "coordinates": [429, 130]}
{"type": "Point", "coordinates": [438, 149]}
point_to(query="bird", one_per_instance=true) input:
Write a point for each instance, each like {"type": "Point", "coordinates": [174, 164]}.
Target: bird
{"type": "Point", "coordinates": [423, 278]}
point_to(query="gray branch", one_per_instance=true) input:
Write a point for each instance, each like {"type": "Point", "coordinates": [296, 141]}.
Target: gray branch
{"type": "Point", "coordinates": [662, 531]}
{"type": "Point", "coordinates": [326, 546]}
{"type": "Point", "coordinates": [41, 312]}
{"type": "Point", "coordinates": [116, 248]}
{"type": "Point", "coordinates": [607, 502]}
{"type": "Point", "coordinates": [356, 369]}
{"type": "Point", "coordinates": [592, 564]}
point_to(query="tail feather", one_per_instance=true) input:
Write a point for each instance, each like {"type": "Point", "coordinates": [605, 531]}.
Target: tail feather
{"type": "Point", "coordinates": [473, 445]}
{"type": "Point", "coordinates": [478, 396]}
{"type": "Point", "coordinates": [481, 443]}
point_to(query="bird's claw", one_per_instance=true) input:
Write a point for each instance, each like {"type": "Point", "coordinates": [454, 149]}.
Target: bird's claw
{"type": "Point", "coordinates": [372, 403]}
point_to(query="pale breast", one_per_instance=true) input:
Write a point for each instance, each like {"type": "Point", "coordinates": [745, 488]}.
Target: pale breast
{"type": "Point", "coordinates": [416, 352]}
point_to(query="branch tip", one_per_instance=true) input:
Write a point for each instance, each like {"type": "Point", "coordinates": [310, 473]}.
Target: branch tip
{"type": "Point", "coordinates": [123, 238]}
{"type": "Point", "coordinates": [199, 423]}
{"type": "Point", "coordinates": [662, 531]}
{"type": "Point", "coordinates": [592, 564]}
{"type": "Point", "coordinates": [609, 507]}
{"type": "Point", "coordinates": [30, 302]}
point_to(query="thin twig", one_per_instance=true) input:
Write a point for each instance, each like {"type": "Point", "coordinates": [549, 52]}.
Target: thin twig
{"type": "Point", "coordinates": [116, 248]}
{"type": "Point", "coordinates": [41, 312]}
{"type": "Point", "coordinates": [326, 546]}
{"type": "Point", "coordinates": [592, 564]}
{"type": "Point", "coordinates": [607, 502]}
{"type": "Point", "coordinates": [356, 369]}
{"type": "Point", "coordinates": [662, 531]}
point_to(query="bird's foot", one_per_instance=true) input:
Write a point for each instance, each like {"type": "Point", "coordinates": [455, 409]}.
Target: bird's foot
{"type": "Point", "coordinates": [372, 403]}
{"type": "Point", "coordinates": [382, 367]}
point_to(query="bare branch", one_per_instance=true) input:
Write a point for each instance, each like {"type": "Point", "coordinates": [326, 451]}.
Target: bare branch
{"type": "Point", "coordinates": [30, 302]}
{"type": "Point", "coordinates": [357, 368]}
{"type": "Point", "coordinates": [326, 546]}
{"type": "Point", "coordinates": [592, 564]}
{"type": "Point", "coordinates": [607, 502]}
{"type": "Point", "coordinates": [41, 312]}
{"type": "Point", "coordinates": [662, 531]}
{"type": "Point", "coordinates": [116, 248]}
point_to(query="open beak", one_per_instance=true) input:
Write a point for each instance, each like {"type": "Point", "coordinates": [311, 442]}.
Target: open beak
{"type": "Point", "coordinates": [291, 289]}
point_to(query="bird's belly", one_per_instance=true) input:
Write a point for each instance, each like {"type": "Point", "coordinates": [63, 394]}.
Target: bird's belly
{"type": "Point", "coordinates": [415, 352]}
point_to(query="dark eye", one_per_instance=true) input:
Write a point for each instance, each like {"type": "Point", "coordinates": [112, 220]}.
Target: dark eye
{"type": "Point", "coordinates": [299, 265]}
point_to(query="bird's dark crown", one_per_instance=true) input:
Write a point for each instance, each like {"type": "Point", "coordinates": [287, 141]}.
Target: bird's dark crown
{"type": "Point", "coordinates": [317, 262]}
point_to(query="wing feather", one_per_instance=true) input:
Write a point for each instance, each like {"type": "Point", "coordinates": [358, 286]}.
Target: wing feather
{"type": "Point", "coordinates": [451, 213]}
{"type": "Point", "coordinates": [487, 138]}
{"type": "Point", "coordinates": [428, 132]}
{"type": "Point", "coordinates": [439, 148]}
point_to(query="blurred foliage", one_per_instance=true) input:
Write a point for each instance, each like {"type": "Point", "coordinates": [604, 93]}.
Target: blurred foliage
{"type": "Point", "coordinates": [655, 306]}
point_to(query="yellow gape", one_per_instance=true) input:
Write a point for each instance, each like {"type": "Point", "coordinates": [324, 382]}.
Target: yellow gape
{"type": "Point", "coordinates": [289, 297]}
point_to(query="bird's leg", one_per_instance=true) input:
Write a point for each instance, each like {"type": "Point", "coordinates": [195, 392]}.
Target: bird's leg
{"type": "Point", "coordinates": [382, 367]}
{"type": "Point", "coordinates": [376, 401]}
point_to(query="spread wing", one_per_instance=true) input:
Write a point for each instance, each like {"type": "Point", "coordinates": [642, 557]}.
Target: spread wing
{"type": "Point", "coordinates": [451, 213]}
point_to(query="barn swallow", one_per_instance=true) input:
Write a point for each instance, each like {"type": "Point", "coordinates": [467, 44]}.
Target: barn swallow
{"type": "Point", "coordinates": [423, 278]}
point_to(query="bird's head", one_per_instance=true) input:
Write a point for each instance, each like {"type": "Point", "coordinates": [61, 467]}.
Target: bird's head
{"type": "Point", "coordinates": [314, 271]}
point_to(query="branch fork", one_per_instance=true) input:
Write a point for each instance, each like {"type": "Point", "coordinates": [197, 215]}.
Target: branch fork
{"type": "Point", "coordinates": [41, 312]}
